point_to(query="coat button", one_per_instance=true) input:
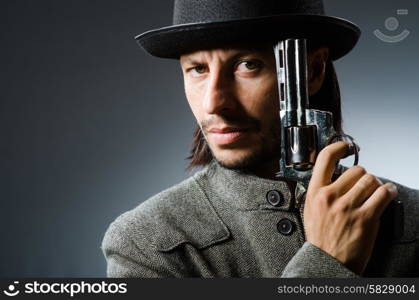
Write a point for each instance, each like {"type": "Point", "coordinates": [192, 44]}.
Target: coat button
{"type": "Point", "coordinates": [275, 198]}
{"type": "Point", "coordinates": [285, 227]}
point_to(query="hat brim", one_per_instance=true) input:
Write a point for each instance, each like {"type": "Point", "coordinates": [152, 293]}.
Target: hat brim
{"type": "Point", "coordinates": [339, 35]}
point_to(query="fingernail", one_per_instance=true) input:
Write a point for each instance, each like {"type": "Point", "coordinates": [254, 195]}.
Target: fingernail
{"type": "Point", "coordinates": [350, 150]}
{"type": "Point", "coordinates": [392, 189]}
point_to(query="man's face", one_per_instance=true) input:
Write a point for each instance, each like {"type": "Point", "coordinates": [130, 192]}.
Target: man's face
{"type": "Point", "coordinates": [234, 97]}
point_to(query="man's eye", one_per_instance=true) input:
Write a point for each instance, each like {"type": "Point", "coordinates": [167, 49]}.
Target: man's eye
{"type": "Point", "coordinates": [247, 66]}
{"type": "Point", "coordinates": [198, 70]}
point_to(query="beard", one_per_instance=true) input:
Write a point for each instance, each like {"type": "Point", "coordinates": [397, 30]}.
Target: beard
{"type": "Point", "coordinates": [268, 149]}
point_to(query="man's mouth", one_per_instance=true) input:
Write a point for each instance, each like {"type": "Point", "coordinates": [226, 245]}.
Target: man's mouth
{"type": "Point", "coordinates": [227, 135]}
{"type": "Point", "coordinates": [227, 130]}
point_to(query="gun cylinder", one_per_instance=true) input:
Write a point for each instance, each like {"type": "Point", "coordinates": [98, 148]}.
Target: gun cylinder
{"type": "Point", "coordinates": [302, 147]}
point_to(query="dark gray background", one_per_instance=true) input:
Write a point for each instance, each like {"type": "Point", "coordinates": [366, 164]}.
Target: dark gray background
{"type": "Point", "coordinates": [91, 126]}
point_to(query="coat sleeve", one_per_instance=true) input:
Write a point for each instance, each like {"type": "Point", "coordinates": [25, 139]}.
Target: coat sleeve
{"type": "Point", "coordinates": [312, 262]}
{"type": "Point", "coordinates": [126, 260]}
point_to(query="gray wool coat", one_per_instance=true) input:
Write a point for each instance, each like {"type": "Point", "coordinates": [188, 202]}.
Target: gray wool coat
{"type": "Point", "coordinates": [218, 223]}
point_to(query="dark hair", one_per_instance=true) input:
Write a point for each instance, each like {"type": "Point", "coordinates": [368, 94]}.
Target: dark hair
{"type": "Point", "coordinates": [326, 99]}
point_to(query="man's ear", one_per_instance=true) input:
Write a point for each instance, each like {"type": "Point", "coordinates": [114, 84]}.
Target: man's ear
{"type": "Point", "coordinates": [317, 60]}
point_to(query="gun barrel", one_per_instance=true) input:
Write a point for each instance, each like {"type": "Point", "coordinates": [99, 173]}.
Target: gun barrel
{"type": "Point", "coordinates": [299, 139]}
{"type": "Point", "coordinates": [296, 67]}
{"type": "Point", "coordinates": [292, 73]}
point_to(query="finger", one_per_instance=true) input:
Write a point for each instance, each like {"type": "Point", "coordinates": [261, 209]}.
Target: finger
{"type": "Point", "coordinates": [326, 163]}
{"type": "Point", "coordinates": [379, 200]}
{"type": "Point", "coordinates": [362, 190]}
{"type": "Point", "coordinates": [348, 179]}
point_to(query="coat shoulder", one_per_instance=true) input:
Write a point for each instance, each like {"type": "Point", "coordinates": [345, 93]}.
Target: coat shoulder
{"type": "Point", "coordinates": [410, 203]}
{"type": "Point", "coordinates": [410, 199]}
{"type": "Point", "coordinates": [177, 215]}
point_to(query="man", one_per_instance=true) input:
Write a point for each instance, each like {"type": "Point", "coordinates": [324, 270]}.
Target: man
{"type": "Point", "coordinates": [235, 218]}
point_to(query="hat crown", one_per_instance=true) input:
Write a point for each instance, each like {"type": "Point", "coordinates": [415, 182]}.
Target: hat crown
{"type": "Point", "coordinates": [202, 11]}
{"type": "Point", "coordinates": [206, 24]}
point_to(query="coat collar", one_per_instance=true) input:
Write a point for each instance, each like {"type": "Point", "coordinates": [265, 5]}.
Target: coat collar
{"type": "Point", "coordinates": [248, 192]}
{"type": "Point", "coordinates": [185, 213]}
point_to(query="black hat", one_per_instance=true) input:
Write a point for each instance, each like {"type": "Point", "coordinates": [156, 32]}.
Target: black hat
{"type": "Point", "coordinates": [206, 24]}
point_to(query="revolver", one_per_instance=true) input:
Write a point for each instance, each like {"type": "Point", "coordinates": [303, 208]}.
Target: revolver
{"type": "Point", "coordinates": [304, 131]}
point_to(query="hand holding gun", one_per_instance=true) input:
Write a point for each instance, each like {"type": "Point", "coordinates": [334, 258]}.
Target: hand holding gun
{"type": "Point", "coordinates": [304, 132]}
{"type": "Point", "coordinates": [343, 210]}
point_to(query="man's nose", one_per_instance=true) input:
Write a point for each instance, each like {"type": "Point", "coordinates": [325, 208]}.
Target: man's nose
{"type": "Point", "coordinates": [219, 94]}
